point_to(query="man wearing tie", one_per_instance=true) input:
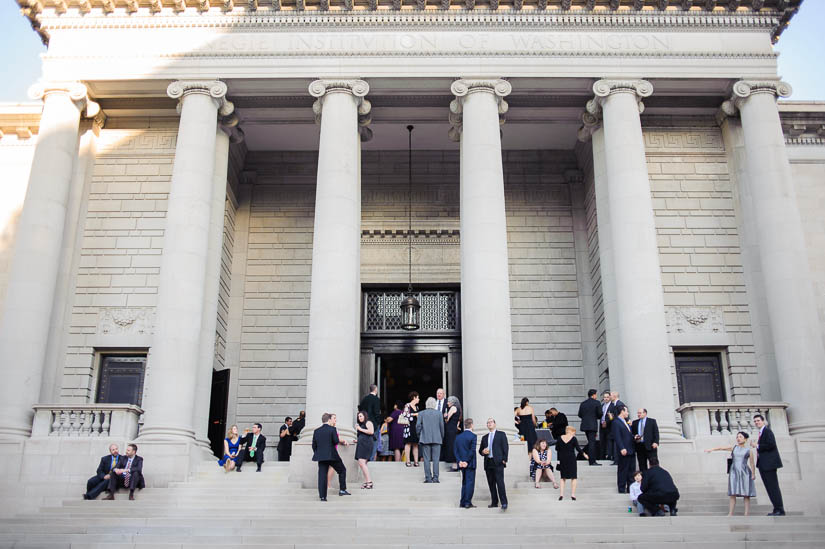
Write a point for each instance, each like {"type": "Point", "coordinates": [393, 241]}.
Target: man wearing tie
{"type": "Point", "coordinates": [128, 473]}
{"type": "Point", "coordinates": [325, 452]}
{"type": "Point", "coordinates": [495, 449]}
{"type": "Point", "coordinates": [768, 461]}
{"type": "Point", "coordinates": [646, 437]}
{"type": "Point", "coordinates": [255, 445]}
{"type": "Point", "coordinates": [100, 481]}
{"type": "Point", "coordinates": [605, 450]}
{"type": "Point", "coordinates": [623, 438]}
{"type": "Point", "coordinates": [465, 455]}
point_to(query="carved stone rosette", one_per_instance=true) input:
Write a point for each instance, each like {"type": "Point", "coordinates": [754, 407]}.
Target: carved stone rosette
{"type": "Point", "coordinates": [743, 89]}
{"type": "Point", "coordinates": [213, 88]}
{"type": "Point", "coordinates": [461, 88]}
{"type": "Point", "coordinates": [603, 89]}
{"type": "Point", "coordinates": [358, 88]}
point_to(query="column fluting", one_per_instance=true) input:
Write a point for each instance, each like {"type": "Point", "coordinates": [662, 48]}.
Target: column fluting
{"type": "Point", "coordinates": [27, 309]}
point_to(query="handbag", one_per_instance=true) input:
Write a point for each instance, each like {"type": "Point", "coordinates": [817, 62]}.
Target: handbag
{"type": "Point", "coordinates": [403, 419]}
{"type": "Point", "coordinates": [730, 462]}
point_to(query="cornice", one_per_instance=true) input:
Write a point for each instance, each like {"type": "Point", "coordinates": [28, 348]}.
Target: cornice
{"type": "Point", "coordinates": [45, 15]}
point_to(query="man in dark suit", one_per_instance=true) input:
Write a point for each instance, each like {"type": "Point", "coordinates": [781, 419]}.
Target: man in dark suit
{"type": "Point", "coordinates": [127, 473]}
{"type": "Point", "coordinates": [299, 424]}
{"type": "Point", "coordinates": [285, 438]}
{"type": "Point", "coordinates": [371, 405]}
{"type": "Point", "coordinates": [658, 489]}
{"type": "Point", "coordinates": [605, 449]}
{"type": "Point", "coordinates": [100, 482]}
{"type": "Point", "coordinates": [465, 455]}
{"type": "Point", "coordinates": [612, 413]}
{"type": "Point", "coordinates": [559, 423]}
{"type": "Point", "coordinates": [646, 438]}
{"type": "Point", "coordinates": [255, 446]}
{"type": "Point", "coordinates": [590, 412]}
{"type": "Point", "coordinates": [768, 461]}
{"type": "Point", "coordinates": [495, 449]}
{"type": "Point", "coordinates": [324, 451]}
{"type": "Point", "coordinates": [624, 450]}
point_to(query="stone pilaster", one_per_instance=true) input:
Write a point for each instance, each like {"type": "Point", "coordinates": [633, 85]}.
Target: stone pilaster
{"type": "Point", "coordinates": [486, 335]}
{"type": "Point", "coordinates": [641, 333]}
{"type": "Point", "coordinates": [27, 310]}
{"type": "Point", "coordinates": [334, 312]}
{"type": "Point", "coordinates": [789, 293]}
{"type": "Point", "coordinates": [172, 366]}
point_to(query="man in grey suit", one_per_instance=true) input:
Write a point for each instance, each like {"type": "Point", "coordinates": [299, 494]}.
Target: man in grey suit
{"type": "Point", "coordinates": [430, 429]}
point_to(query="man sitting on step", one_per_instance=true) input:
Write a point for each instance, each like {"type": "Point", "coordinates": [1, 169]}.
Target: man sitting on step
{"type": "Point", "coordinates": [255, 445]}
{"type": "Point", "coordinates": [128, 473]}
{"type": "Point", "coordinates": [658, 491]}
{"type": "Point", "coordinates": [100, 482]}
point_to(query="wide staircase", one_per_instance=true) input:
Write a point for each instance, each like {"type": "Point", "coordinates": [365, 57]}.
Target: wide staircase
{"type": "Point", "coordinates": [221, 510]}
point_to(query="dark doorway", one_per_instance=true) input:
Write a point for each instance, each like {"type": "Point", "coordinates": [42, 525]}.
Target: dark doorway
{"type": "Point", "coordinates": [699, 376]}
{"type": "Point", "coordinates": [121, 379]}
{"type": "Point", "coordinates": [402, 373]}
{"type": "Point", "coordinates": [217, 410]}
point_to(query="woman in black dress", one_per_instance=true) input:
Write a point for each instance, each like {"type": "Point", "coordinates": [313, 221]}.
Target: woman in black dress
{"type": "Point", "coordinates": [567, 447]}
{"type": "Point", "coordinates": [363, 450]}
{"type": "Point", "coordinates": [410, 415]}
{"type": "Point", "coordinates": [527, 423]}
{"type": "Point", "coordinates": [451, 430]}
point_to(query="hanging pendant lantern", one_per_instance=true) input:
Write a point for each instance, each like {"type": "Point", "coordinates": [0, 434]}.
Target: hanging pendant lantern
{"type": "Point", "coordinates": [410, 307]}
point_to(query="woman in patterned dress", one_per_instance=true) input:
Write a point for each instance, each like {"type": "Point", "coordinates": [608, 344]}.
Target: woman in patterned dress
{"type": "Point", "coordinates": [541, 462]}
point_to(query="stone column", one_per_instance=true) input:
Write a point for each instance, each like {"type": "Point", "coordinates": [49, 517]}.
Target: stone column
{"type": "Point", "coordinates": [209, 323]}
{"type": "Point", "coordinates": [640, 311]}
{"type": "Point", "coordinates": [335, 302]}
{"type": "Point", "coordinates": [486, 337]}
{"type": "Point", "coordinates": [27, 311]}
{"type": "Point", "coordinates": [172, 365]}
{"type": "Point", "coordinates": [789, 293]}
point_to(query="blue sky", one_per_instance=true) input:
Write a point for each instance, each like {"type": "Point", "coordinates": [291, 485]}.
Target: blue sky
{"type": "Point", "coordinates": [799, 63]}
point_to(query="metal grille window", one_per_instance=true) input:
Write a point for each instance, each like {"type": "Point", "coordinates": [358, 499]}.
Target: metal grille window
{"type": "Point", "coordinates": [439, 311]}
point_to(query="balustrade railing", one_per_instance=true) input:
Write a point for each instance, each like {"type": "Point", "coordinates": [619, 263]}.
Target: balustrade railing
{"type": "Point", "coordinates": [86, 420]}
{"type": "Point", "coordinates": [701, 419]}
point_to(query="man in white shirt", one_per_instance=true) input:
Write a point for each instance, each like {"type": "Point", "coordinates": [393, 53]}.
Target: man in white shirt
{"type": "Point", "coordinates": [440, 402]}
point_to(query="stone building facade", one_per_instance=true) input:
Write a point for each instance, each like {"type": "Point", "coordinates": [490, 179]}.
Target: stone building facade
{"type": "Point", "coordinates": [604, 195]}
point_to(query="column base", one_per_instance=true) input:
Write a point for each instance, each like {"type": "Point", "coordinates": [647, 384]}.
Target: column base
{"type": "Point", "coordinates": [808, 430]}
{"type": "Point", "coordinates": [166, 434]}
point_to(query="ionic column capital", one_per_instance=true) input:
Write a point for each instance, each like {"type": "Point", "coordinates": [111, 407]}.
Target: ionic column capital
{"type": "Point", "coordinates": [215, 89]}
{"type": "Point", "coordinates": [602, 89]}
{"type": "Point", "coordinates": [745, 89]}
{"type": "Point", "coordinates": [76, 91]}
{"type": "Point", "coordinates": [356, 87]}
{"type": "Point", "coordinates": [497, 87]}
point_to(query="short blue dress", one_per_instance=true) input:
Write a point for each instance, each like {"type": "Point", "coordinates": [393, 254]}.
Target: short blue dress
{"type": "Point", "coordinates": [233, 449]}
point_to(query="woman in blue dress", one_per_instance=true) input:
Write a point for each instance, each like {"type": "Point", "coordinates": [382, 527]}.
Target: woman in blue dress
{"type": "Point", "coordinates": [231, 450]}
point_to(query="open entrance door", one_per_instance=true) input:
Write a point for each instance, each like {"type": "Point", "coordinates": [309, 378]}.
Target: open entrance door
{"type": "Point", "coordinates": [398, 374]}
{"type": "Point", "coordinates": [217, 410]}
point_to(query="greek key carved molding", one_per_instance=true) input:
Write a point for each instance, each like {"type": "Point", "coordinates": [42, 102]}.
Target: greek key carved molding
{"type": "Point", "coordinates": [214, 89]}
{"type": "Point", "coordinates": [681, 141]}
{"type": "Point", "coordinates": [499, 88]}
{"type": "Point", "coordinates": [142, 142]}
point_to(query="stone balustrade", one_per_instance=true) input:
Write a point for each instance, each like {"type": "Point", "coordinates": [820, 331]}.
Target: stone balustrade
{"type": "Point", "coordinates": [86, 421]}
{"type": "Point", "coordinates": [707, 419]}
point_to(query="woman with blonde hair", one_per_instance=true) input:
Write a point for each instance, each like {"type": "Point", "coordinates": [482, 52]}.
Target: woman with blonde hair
{"type": "Point", "coordinates": [231, 449]}
{"type": "Point", "coordinates": [567, 447]}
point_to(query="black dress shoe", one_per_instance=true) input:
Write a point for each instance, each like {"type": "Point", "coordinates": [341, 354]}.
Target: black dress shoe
{"type": "Point", "coordinates": [776, 513]}
{"type": "Point", "coordinates": [258, 470]}
{"type": "Point", "coordinates": [492, 506]}
{"type": "Point", "coordinates": [436, 481]}
{"type": "Point", "coordinates": [673, 512]}
{"type": "Point", "coordinates": [85, 497]}
{"type": "Point", "coordinates": [343, 493]}
{"type": "Point", "coordinates": [323, 499]}
{"type": "Point", "coordinates": [428, 482]}
{"type": "Point", "coordinates": [503, 506]}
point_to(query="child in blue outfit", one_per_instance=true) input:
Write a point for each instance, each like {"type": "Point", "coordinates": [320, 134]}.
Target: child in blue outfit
{"type": "Point", "coordinates": [635, 491]}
